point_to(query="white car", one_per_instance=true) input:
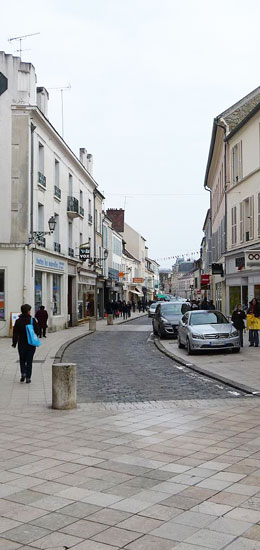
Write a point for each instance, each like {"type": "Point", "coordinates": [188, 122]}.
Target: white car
{"type": "Point", "coordinates": [207, 330]}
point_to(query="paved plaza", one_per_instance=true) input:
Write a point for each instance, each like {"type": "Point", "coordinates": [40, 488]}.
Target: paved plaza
{"type": "Point", "coordinates": [140, 474]}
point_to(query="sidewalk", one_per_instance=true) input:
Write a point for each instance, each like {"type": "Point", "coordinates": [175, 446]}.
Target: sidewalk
{"type": "Point", "coordinates": [240, 369]}
{"type": "Point", "coordinates": [14, 394]}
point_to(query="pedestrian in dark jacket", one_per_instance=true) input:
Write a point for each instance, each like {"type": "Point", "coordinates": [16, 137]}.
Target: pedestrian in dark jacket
{"type": "Point", "coordinates": [211, 305]}
{"type": "Point", "coordinates": [254, 309]}
{"type": "Point", "coordinates": [42, 318]}
{"type": "Point", "coordinates": [204, 303]}
{"type": "Point", "coordinates": [139, 304]}
{"type": "Point", "coordinates": [238, 318]}
{"type": "Point", "coordinates": [25, 350]}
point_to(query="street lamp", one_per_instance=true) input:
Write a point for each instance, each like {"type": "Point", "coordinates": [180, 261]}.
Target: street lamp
{"type": "Point", "coordinates": [37, 237]}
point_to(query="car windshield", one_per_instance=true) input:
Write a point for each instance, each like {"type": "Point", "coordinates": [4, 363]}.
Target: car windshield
{"type": "Point", "coordinates": [153, 306]}
{"type": "Point", "coordinates": [207, 318]}
{"type": "Point", "coordinates": [171, 309]}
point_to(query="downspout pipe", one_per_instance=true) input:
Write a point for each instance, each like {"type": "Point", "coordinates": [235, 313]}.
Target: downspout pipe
{"type": "Point", "coordinates": [33, 127]}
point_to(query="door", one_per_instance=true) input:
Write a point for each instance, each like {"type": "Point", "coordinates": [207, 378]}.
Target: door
{"type": "Point", "coordinates": [70, 300]}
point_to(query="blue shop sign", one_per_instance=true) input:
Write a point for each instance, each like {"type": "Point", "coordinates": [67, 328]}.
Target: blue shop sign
{"type": "Point", "coordinates": [48, 263]}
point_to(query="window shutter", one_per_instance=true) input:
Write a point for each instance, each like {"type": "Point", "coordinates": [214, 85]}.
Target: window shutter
{"type": "Point", "coordinates": [240, 161]}
{"type": "Point", "coordinates": [251, 216]}
{"type": "Point", "coordinates": [241, 221]}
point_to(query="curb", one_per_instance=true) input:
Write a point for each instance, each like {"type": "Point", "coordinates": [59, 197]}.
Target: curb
{"type": "Point", "coordinates": [200, 370]}
{"type": "Point", "coordinates": [59, 354]}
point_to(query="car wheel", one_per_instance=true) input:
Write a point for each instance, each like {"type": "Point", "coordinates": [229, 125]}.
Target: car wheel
{"type": "Point", "coordinates": [180, 345]}
{"type": "Point", "coordinates": [189, 350]}
{"type": "Point", "coordinates": [236, 350]}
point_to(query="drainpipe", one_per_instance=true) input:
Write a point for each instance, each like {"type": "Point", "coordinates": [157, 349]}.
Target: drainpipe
{"type": "Point", "coordinates": [32, 177]}
{"type": "Point", "coordinates": [95, 248]}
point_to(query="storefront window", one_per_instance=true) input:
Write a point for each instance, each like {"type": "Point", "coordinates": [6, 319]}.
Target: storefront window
{"type": "Point", "coordinates": [234, 297]}
{"type": "Point", "coordinates": [257, 292]}
{"type": "Point", "coordinates": [56, 294]}
{"type": "Point", "coordinates": [2, 294]}
{"type": "Point", "coordinates": [85, 302]}
{"type": "Point", "coordinates": [38, 290]}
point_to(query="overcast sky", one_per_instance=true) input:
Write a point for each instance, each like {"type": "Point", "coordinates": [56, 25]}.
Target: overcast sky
{"type": "Point", "coordinates": [147, 78]}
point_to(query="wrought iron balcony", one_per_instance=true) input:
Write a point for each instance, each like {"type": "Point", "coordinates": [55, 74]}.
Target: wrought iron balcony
{"type": "Point", "coordinates": [57, 192]}
{"type": "Point", "coordinates": [90, 218]}
{"type": "Point", "coordinates": [57, 247]}
{"type": "Point", "coordinates": [81, 211]}
{"type": "Point", "coordinates": [71, 252]}
{"type": "Point", "coordinates": [42, 179]}
{"type": "Point", "coordinates": [72, 207]}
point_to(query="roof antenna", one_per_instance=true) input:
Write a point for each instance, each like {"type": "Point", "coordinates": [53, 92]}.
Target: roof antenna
{"type": "Point", "coordinates": [20, 38]}
{"type": "Point", "coordinates": [61, 89]}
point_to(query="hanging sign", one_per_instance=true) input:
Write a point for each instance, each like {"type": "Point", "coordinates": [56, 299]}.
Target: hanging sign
{"type": "Point", "coordinates": [84, 253]}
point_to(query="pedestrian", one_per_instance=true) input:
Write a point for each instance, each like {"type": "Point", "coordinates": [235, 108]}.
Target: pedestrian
{"type": "Point", "coordinates": [25, 350]}
{"type": "Point", "coordinates": [139, 305]}
{"type": "Point", "coordinates": [124, 309]}
{"type": "Point", "coordinates": [254, 311]}
{"type": "Point", "coordinates": [204, 303]}
{"type": "Point", "coordinates": [211, 306]}
{"type": "Point", "coordinates": [42, 318]}
{"type": "Point", "coordinates": [128, 305]}
{"type": "Point", "coordinates": [238, 318]}
{"type": "Point", "coordinates": [133, 305]}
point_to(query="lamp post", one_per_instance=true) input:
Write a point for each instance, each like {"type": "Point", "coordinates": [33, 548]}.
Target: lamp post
{"type": "Point", "coordinates": [37, 237]}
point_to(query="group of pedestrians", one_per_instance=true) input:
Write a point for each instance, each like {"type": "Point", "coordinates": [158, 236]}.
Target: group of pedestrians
{"type": "Point", "coordinates": [252, 315]}
{"type": "Point", "coordinates": [121, 308]}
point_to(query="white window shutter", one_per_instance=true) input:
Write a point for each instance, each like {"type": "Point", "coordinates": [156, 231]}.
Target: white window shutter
{"type": "Point", "coordinates": [241, 221]}
{"type": "Point", "coordinates": [251, 216]}
{"type": "Point", "coordinates": [240, 161]}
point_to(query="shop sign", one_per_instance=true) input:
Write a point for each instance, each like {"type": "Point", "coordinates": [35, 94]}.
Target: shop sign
{"type": "Point", "coordinates": [138, 280]}
{"type": "Point", "coordinates": [217, 269]}
{"type": "Point", "coordinates": [252, 258]}
{"type": "Point", "coordinates": [84, 253]}
{"type": "Point", "coordinates": [205, 281]}
{"type": "Point", "coordinates": [48, 263]}
{"type": "Point", "coordinates": [121, 274]}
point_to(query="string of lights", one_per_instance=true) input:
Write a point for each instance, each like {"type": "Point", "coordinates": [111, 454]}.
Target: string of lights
{"type": "Point", "coordinates": [185, 255]}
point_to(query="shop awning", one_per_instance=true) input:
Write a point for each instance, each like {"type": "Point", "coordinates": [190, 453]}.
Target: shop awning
{"type": "Point", "coordinates": [137, 292]}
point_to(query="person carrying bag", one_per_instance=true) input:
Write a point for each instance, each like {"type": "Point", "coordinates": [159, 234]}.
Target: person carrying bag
{"type": "Point", "coordinates": [25, 333]}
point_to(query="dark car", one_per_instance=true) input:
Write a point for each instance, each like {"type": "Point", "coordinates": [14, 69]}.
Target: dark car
{"type": "Point", "coordinates": [167, 317]}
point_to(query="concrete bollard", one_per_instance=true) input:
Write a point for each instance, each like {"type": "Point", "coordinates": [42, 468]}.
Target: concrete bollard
{"type": "Point", "coordinates": [92, 323]}
{"type": "Point", "coordinates": [64, 394]}
{"type": "Point", "coordinates": [110, 319]}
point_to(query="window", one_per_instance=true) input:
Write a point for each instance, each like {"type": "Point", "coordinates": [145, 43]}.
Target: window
{"type": "Point", "coordinates": [41, 158]}
{"type": "Point", "coordinates": [104, 236]}
{"type": "Point", "coordinates": [99, 222]}
{"type": "Point", "coordinates": [89, 206]}
{"type": "Point", "coordinates": [70, 234]}
{"type": "Point", "coordinates": [96, 220]}
{"type": "Point", "coordinates": [56, 294]}
{"type": "Point", "coordinates": [249, 218]}
{"type": "Point", "coordinates": [40, 217]}
{"type": "Point", "coordinates": [38, 290]}
{"type": "Point", "coordinates": [57, 173]}
{"type": "Point", "coordinates": [236, 162]}
{"type": "Point", "coordinates": [234, 225]}
{"type": "Point", "coordinates": [80, 238]}
{"type": "Point", "coordinates": [117, 246]}
{"type": "Point", "coordinates": [2, 294]}
{"type": "Point", "coordinates": [81, 198]}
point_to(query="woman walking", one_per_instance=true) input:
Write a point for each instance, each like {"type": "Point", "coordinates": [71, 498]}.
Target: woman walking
{"type": "Point", "coordinates": [25, 350]}
{"type": "Point", "coordinates": [254, 311]}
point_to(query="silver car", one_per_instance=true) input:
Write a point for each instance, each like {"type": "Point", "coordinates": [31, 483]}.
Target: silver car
{"type": "Point", "coordinates": [152, 308]}
{"type": "Point", "coordinates": [207, 330]}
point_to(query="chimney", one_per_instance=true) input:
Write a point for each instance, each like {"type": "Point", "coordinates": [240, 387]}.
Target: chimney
{"type": "Point", "coordinates": [83, 156]}
{"type": "Point", "coordinates": [42, 100]}
{"type": "Point", "coordinates": [117, 216]}
{"type": "Point", "coordinates": [90, 163]}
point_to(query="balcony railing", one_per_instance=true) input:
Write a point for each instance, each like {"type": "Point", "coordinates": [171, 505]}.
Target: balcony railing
{"type": "Point", "coordinates": [72, 207]}
{"type": "Point", "coordinates": [41, 179]}
{"type": "Point", "coordinates": [57, 192]}
{"type": "Point", "coordinates": [90, 218]}
{"type": "Point", "coordinates": [81, 211]}
{"type": "Point", "coordinates": [57, 247]}
{"type": "Point", "coordinates": [71, 252]}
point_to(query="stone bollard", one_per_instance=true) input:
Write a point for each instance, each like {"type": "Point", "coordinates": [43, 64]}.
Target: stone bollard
{"type": "Point", "coordinates": [92, 323]}
{"type": "Point", "coordinates": [64, 394]}
{"type": "Point", "coordinates": [110, 319]}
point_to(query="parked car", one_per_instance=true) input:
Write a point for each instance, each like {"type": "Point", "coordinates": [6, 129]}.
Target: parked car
{"type": "Point", "coordinates": [167, 316]}
{"type": "Point", "coordinates": [207, 330]}
{"type": "Point", "coordinates": [152, 308]}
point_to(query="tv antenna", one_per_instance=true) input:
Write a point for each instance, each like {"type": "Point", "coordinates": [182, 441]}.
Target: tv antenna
{"type": "Point", "coordinates": [20, 38]}
{"type": "Point", "coordinates": [61, 89]}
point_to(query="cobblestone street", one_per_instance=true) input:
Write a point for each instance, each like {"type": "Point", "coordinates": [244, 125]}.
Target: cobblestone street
{"type": "Point", "coordinates": [123, 365]}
